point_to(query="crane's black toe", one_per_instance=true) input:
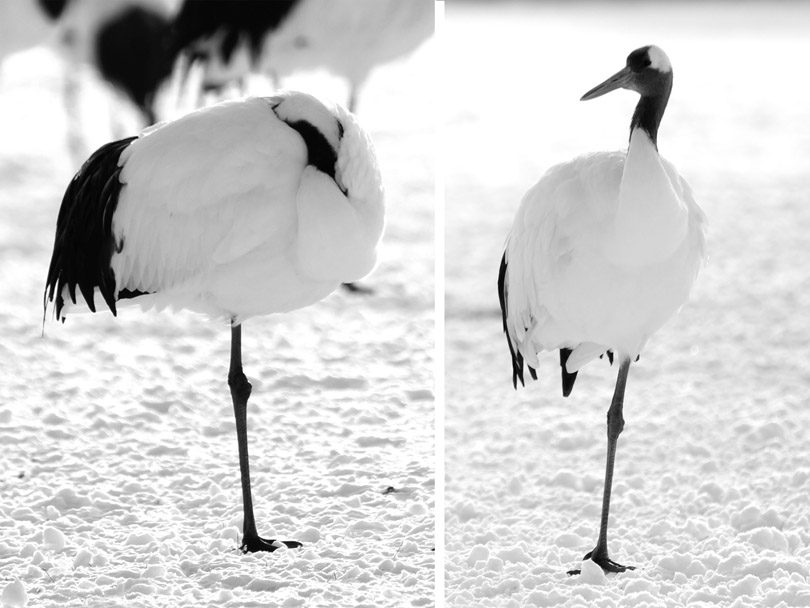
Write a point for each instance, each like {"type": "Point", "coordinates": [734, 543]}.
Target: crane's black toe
{"type": "Point", "coordinates": [604, 562]}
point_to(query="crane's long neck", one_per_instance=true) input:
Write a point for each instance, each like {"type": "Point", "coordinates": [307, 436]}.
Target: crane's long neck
{"type": "Point", "coordinates": [651, 219]}
{"type": "Point", "coordinates": [650, 110]}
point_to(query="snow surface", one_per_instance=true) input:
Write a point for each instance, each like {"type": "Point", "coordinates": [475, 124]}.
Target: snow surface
{"type": "Point", "coordinates": [710, 495]}
{"type": "Point", "coordinates": [120, 482]}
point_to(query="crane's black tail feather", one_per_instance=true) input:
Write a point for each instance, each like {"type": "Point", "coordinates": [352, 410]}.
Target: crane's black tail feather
{"type": "Point", "coordinates": [84, 241]}
{"type": "Point", "coordinates": [517, 358]}
{"type": "Point", "coordinates": [568, 378]}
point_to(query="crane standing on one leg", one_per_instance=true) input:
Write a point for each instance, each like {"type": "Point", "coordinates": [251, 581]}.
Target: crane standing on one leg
{"type": "Point", "coordinates": [603, 250]}
{"type": "Point", "coordinates": [240, 209]}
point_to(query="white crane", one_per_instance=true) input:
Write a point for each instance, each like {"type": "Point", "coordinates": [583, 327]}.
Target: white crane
{"type": "Point", "coordinates": [239, 209]}
{"type": "Point", "coordinates": [603, 250]}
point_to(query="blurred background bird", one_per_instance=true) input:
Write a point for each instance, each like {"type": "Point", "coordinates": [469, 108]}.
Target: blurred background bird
{"type": "Point", "coordinates": [25, 24]}
{"type": "Point", "coordinates": [232, 39]}
{"type": "Point", "coordinates": [121, 48]}
{"type": "Point", "coordinates": [167, 57]}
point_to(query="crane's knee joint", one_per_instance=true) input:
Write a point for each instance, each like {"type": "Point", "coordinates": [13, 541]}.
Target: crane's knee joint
{"type": "Point", "coordinates": [615, 422]}
{"type": "Point", "coordinates": [239, 384]}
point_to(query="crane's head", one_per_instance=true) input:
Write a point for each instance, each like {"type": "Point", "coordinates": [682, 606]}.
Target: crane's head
{"type": "Point", "coordinates": [338, 146]}
{"type": "Point", "coordinates": [296, 107]}
{"type": "Point", "coordinates": [648, 72]}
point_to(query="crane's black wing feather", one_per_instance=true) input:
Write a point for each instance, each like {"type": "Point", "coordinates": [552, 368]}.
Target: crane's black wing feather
{"type": "Point", "coordinates": [517, 358]}
{"type": "Point", "coordinates": [84, 241]}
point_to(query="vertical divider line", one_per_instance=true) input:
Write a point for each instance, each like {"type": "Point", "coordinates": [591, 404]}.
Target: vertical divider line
{"type": "Point", "coordinates": [439, 282]}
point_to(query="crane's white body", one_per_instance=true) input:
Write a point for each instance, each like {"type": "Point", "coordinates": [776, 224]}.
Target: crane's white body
{"type": "Point", "coordinates": [603, 250]}
{"type": "Point", "coordinates": [221, 213]}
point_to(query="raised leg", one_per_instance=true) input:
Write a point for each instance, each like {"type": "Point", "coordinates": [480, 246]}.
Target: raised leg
{"type": "Point", "coordinates": [240, 393]}
{"type": "Point", "coordinates": [615, 424]}
{"type": "Point", "coordinates": [353, 98]}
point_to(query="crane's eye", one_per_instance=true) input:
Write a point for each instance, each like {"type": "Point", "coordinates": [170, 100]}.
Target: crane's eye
{"type": "Point", "coordinates": [647, 63]}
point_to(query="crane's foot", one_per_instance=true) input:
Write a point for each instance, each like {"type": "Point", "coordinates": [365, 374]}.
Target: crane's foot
{"type": "Point", "coordinates": [359, 289]}
{"type": "Point", "coordinates": [604, 562]}
{"type": "Point", "coordinates": [252, 544]}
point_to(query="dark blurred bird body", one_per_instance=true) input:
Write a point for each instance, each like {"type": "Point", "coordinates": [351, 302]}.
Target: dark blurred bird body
{"type": "Point", "coordinates": [128, 44]}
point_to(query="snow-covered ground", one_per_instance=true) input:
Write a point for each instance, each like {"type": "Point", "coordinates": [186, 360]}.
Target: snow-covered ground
{"type": "Point", "coordinates": [120, 482]}
{"type": "Point", "coordinates": [710, 496]}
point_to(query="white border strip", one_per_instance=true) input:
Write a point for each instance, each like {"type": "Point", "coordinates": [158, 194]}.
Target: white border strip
{"type": "Point", "coordinates": [439, 333]}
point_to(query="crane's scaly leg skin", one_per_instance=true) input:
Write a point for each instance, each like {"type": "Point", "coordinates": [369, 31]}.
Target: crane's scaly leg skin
{"type": "Point", "coordinates": [615, 425]}
{"type": "Point", "coordinates": [240, 393]}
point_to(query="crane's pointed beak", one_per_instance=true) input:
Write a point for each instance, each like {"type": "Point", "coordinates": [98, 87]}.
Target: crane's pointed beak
{"type": "Point", "coordinates": [620, 80]}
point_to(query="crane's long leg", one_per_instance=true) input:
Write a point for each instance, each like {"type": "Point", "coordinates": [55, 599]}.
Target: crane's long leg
{"type": "Point", "coordinates": [240, 393]}
{"type": "Point", "coordinates": [352, 103]}
{"type": "Point", "coordinates": [615, 424]}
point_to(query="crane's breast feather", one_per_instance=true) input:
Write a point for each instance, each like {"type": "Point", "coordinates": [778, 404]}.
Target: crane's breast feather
{"type": "Point", "coordinates": [336, 239]}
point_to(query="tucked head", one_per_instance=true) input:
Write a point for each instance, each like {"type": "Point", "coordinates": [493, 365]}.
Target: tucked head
{"type": "Point", "coordinates": [647, 72]}
{"type": "Point", "coordinates": [295, 107]}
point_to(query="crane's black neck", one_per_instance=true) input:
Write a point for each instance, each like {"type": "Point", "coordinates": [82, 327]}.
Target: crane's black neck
{"type": "Point", "coordinates": [650, 110]}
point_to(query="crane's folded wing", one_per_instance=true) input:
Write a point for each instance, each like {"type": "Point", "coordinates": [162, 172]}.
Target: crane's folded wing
{"type": "Point", "coordinates": [205, 190]}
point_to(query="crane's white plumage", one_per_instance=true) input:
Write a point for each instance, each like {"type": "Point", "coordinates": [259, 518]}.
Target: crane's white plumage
{"type": "Point", "coordinates": [222, 213]}
{"type": "Point", "coordinates": [240, 209]}
{"type": "Point", "coordinates": [603, 250]}
{"type": "Point", "coordinates": [606, 247]}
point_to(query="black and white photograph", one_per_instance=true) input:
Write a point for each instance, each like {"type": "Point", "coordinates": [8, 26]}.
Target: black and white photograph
{"type": "Point", "coordinates": [217, 333]}
{"type": "Point", "coordinates": [627, 220]}
{"type": "Point", "coordinates": [404, 303]}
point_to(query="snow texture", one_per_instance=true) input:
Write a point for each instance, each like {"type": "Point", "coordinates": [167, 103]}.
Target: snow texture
{"type": "Point", "coordinates": [710, 497]}
{"type": "Point", "coordinates": [120, 478]}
